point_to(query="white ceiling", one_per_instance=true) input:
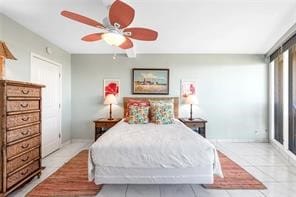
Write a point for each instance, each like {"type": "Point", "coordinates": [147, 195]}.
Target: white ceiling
{"type": "Point", "coordinates": [184, 26]}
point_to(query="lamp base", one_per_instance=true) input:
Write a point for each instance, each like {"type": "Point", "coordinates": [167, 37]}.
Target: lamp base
{"type": "Point", "coordinates": [190, 113]}
{"type": "Point", "coordinates": [110, 113]}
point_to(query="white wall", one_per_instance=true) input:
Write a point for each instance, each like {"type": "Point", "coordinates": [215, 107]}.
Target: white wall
{"type": "Point", "coordinates": [22, 42]}
{"type": "Point", "coordinates": [232, 90]}
{"type": "Point", "coordinates": [1, 26]}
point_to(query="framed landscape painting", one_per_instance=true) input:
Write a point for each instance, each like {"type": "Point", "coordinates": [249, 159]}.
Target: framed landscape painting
{"type": "Point", "coordinates": [150, 81]}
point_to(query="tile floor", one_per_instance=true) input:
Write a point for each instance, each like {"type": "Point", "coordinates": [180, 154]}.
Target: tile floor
{"type": "Point", "coordinates": [260, 159]}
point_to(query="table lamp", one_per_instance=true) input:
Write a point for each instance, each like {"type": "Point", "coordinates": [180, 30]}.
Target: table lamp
{"type": "Point", "coordinates": [191, 99]}
{"type": "Point", "coordinates": [4, 54]}
{"type": "Point", "coordinates": [109, 100]}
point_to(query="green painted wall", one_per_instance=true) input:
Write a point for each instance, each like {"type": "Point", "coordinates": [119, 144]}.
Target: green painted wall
{"type": "Point", "coordinates": [232, 90]}
{"type": "Point", "coordinates": [22, 42]}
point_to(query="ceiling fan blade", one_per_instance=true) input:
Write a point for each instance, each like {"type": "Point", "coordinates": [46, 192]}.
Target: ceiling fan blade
{"type": "Point", "coordinates": [140, 33]}
{"type": "Point", "coordinates": [120, 14]}
{"type": "Point", "coordinates": [92, 37]}
{"type": "Point", "coordinates": [127, 44]}
{"type": "Point", "coordinates": [81, 19]}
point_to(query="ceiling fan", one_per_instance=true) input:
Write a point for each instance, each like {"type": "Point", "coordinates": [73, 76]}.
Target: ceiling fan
{"type": "Point", "coordinates": [115, 26]}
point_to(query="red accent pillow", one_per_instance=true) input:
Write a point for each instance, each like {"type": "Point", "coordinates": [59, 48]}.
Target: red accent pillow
{"type": "Point", "coordinates": [134, 102]}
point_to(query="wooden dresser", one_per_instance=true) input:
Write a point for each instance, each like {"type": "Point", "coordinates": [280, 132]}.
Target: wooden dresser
{"type": "Point", "coordinates": [20, 138]}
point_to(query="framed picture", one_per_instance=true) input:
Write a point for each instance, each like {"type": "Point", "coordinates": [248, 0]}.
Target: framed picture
{"type": "Point", "coordinates": [111, 86]}
{"type": "Point", "coordinates": [150, 81]}
{"type": "Point", "coordinates": [188, 87]}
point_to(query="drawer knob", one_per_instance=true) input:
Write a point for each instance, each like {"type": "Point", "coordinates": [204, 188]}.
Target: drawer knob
{"type": "Point", "coordinates": [24, 106]}
{"type": "Point", "coordinates": [25, 118]}
{"type": "Point", "coordinates": [25, 91]}
{"type": "Point", "coordinates": [26, 159]}
{"type": "Point", "coordinates": [25, 146]}
{"type": "Point", "coordinates": [25, 132]}
{"type": "Point", "coordinates": [24, 172]}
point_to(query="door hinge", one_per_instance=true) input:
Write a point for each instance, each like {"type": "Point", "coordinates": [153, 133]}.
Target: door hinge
{"type": "Point", "coordinates": [59, 135]}
{"type": "Point", "coordinates": [60, 75]}
{"type": "Point", "coordinates": [59, 106]}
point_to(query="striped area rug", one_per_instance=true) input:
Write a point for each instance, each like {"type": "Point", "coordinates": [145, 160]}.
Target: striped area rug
{"type": "Point", "coordinates": [235, 177]}
{"type": "Point", "coordinates": [71, 179]}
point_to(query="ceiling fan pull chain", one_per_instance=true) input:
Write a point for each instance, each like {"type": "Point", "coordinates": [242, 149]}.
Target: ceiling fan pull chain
{"type": "Point", "coordinates": [117, 25]}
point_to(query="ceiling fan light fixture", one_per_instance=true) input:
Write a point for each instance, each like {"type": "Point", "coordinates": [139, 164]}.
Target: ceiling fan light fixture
{"type": "Point", "coordinates": [115, 26]}
{"type": "Point", "coordinates": [114, 39]}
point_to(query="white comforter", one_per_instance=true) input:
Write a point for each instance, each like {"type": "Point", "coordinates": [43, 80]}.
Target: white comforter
{"type": "Point", "coordinates": [152, 146]}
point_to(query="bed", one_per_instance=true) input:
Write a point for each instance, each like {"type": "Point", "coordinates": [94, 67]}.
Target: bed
{"type": "Point", "coordinates": [153, 154]}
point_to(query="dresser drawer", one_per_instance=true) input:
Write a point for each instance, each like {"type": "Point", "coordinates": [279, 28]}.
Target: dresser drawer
{"type": "Point", "coordinates": [17, 134]}
{"type": "Point", "coordinates": [22, 174]}
{"type": "Point", "coordinates": [21, 119]}
{"type": "Point", "coordinates": [18, 148]}
{"type": "Point", "coordinates": [22, 105]}
{"type": "Point", "coordinates": [20, 91]}
{"type": "Point", "coordinates": [22, 160]}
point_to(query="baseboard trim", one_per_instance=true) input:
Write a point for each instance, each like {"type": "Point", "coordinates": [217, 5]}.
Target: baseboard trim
{"type": "Point", "coordinates": [287, 154]}
{"type": "Point", "coordinates": [240, 140]}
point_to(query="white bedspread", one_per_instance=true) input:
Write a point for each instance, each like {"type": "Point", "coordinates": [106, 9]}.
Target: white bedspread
{"type": "Point", "coordinates": [152, 146]}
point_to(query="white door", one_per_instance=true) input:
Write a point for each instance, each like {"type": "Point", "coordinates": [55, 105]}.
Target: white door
{"type": "Point", "coordinates": [45, 72]}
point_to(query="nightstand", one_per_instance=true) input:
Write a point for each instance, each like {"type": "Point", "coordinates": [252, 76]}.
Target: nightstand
{"type": "Point", "coordinates": [103, 124]}
{"type": "Point", "coordinates": [197, 124]}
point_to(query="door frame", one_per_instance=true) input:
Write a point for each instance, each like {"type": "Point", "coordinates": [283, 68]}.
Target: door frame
{"type": "Point", "coordinates": [279, 102]}
{"type": "Point", "coordinates": [291, 129]}
{"type": "Point", "coordinates": [34, 55]}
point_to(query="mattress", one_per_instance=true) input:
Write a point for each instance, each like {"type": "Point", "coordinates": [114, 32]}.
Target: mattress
{"type": "Point", "coordinates": [149, 147]}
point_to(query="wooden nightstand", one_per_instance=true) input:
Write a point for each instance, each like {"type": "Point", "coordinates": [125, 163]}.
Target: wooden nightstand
{"type": "Point", "coordinates": [103, 124]}
{"type": "Point", "coordinates": [197, 124]}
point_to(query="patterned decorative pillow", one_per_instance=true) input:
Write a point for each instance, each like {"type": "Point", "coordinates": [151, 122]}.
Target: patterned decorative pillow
{"type": "Point", "coordinates": [135, 102]}
{"type": "Point", "coordinates": [138, 114]}
{"type": "Point", "coordinates": [162, 113]}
